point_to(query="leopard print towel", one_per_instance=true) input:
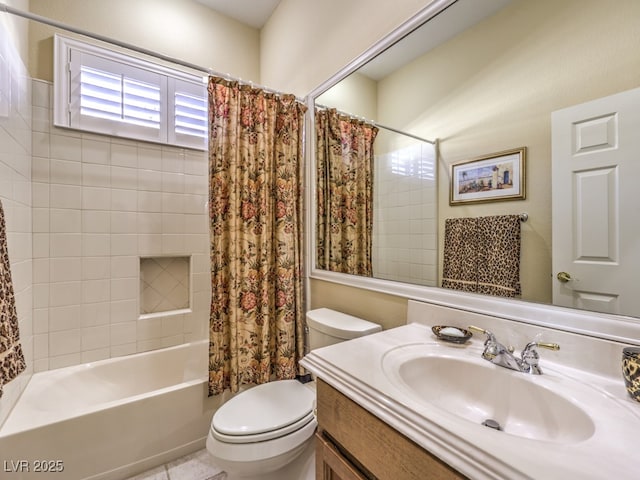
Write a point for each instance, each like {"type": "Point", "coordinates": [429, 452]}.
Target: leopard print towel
{"type": "Point", "coordinates": [482, 255]}
{"type": "Point", "coordinates": [11, 357]}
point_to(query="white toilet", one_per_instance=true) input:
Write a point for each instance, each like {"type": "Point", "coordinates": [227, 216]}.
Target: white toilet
{"type": "Point", "coordinates": [266, 432]}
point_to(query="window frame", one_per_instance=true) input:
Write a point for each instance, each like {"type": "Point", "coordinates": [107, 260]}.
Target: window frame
{"type": "Point", "coordinates": [71, 54]}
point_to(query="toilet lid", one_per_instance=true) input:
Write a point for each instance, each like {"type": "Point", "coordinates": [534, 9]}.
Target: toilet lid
{"type": "Point", "coordinates": [267, 408]}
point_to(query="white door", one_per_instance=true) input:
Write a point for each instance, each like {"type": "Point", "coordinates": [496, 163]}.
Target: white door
{"type": "Point", "coordinates": [596, 204]}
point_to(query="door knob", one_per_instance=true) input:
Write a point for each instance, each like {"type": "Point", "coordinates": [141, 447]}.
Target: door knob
{"type": "Point", "coordinates": [564, 277]}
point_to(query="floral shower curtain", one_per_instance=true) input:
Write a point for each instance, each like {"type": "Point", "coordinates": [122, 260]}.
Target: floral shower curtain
{"type": "Point", "coordinates": [344, 153]}
{"type": "Point", "coordinates": [255, 172]}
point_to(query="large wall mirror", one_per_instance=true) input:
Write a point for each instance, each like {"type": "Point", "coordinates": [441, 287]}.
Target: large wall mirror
{"type": "Point", "coordinates": [478, 77]}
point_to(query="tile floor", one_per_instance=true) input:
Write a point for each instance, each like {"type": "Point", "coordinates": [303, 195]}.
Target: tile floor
{"type": "Point", "coordinates": [196, 466]}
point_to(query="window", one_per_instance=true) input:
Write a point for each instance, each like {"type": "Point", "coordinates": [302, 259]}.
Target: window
{"type": "Point", "coordinates": [104, 91]}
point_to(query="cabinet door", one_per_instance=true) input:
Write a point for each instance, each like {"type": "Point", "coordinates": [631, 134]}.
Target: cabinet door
{"type": "Point", "coordinates": [331, 465]}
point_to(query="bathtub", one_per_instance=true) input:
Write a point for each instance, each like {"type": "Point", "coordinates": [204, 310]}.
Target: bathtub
{"type": "Point", "coordinates": [110, 419]}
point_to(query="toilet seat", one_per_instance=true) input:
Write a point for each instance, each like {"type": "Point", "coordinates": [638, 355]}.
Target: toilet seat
{"type": "Point", "coordinates": [264, 412]}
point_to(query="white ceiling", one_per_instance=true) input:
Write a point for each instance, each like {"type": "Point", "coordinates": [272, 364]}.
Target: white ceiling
{"type": "Point", "coordinates": [251, 12]}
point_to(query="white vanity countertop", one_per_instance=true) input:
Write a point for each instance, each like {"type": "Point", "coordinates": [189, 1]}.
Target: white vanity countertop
{"type": "Point", "coordinates": [355, 369]}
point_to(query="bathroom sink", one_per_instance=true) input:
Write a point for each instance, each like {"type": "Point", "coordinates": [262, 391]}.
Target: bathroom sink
{"type": "Point", "coordinates": [454, 380]}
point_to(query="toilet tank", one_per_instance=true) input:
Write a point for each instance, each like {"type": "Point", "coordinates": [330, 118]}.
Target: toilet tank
{"type": "Point", "coordinates": [327, 327]}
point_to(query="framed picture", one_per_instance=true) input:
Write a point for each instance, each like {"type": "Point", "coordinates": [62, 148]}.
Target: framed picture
{"type": "Point", "coordinates": [495, 177]}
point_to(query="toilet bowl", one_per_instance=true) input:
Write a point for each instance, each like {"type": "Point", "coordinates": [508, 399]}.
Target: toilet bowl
{"type": "Point", "coordinates": [267, 432]}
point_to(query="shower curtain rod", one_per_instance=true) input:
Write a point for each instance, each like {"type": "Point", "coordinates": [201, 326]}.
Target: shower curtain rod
{"type": "Point", "coordinates": [54, 23]}
{"type": "Point", "coordinates": [375, 124]}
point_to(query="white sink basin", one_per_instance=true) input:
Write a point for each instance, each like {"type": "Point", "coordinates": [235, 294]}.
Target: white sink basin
{"type": "Point", "coordinates": [462, 384]}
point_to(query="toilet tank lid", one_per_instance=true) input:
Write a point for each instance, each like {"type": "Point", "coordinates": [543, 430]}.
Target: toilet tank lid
{"type": "Point", "coordinates": [340, 324]}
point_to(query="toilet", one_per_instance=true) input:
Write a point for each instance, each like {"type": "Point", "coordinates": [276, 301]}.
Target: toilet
{"type": "Point", "coordinates": [267, 432]}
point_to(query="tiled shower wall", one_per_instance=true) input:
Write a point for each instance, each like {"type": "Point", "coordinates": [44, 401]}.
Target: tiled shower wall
{"type": "Point", "coordinates": [405, 209]}
{"type": "Point", "coordinates": [100, 204]}
{"type": "Point", "coordinates": [15, 193]}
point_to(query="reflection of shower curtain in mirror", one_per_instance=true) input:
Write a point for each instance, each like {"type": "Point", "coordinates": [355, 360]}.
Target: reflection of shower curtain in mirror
{"type": "Point", "coordinates": [11, 357]}
{"type": "Point", "coordinates": [344, 153]}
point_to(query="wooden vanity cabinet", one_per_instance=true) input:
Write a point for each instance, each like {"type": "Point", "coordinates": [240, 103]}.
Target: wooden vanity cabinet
{"type": "Point", "coordinates": [353, 444]}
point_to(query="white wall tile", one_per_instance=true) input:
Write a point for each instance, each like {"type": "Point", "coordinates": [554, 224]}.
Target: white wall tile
{"type": "Point", "coordinates": [124, 244]}
{"type": "Point", "coordinates": [96, 221]}
{"type": "Point", "coordinates": [150, 158]}
{"type": "Point", "coordinates": [150, 180]}
{"type": "Point", "coordinates": [41, 270]}
{"type": "Point", "coordinates": [89, 356]}
{"type": "Point", "coordinates": [40, 94]}
{"type": "Point", "coordinates": [124, 288]}
{"type": "Point", "coordinates": [124, 200]}
{"type": "Point", "coordinates": [64, 318]}
{"type": "Point", "coordinates": [96, 175]}
{"type": "Point", "coordinates": [96, 291]}
{"type": "Point", "coordinates": [40, 220]}
{"type": "Point", "coordinates": [40, 144]}
{"type": "Point", "coordinates": [124, 310]}
{"type": "Point", "coordinates": [94, 314]}
{"type": "Point", "coordinates": [196, 163]}
{"type": "Point", "coordinates": [65, 293]}
{"type": "Point", "coordinates": [65, 147]}
{"type": "Point", "coordinates": [41, 295]}
{"type": "Point", "coordinates": [96, 151]}
{"type": "Point", "coordinates": [65, 220]}
{"type": "Point", "coordinates": [173, 203]}
{"type": "Point", "coordinates": [65, 196]}
{"type": "Point", "coordinates": [65, 244]}
{"type": "Point", "coordinates": [62, 343]}
{"type": "Point", "coordinates": [96, 268]}
{"type": "Point", "coordinates": [96, 198]}
{"type": "Point", "coordinates": [96, 244]}
{"type": "Point", "coordinates": [172, 182]}
{"type": "Point", "coordinates": [61, 361]}
{"type": "Point", "coordinates": [40, 195]}
{"type": "Point", "coordinates": [40, 119]}
{"type": "Point", "coordinates": [124, 177]}
{"type": "Point", "coordinates": [124, 155]}
{"type": "Point", "coordinates": [150, 244]}
{"type": "Point", "coordinates": [98, 203]}
{"type": "Point", "coordinates": [124, 266]}
{"type": "Point", "coordinates": [67, 269]}
{"type": "Point", "coordinates": [124, 222]}
{"type": "Point", "coordinates": [65, 172]}
{"type": "Point", "coordinates": [94, 338]}
{"type": "Point", "coordinates": [172, 160]}
{"type": "Point", "coordinates": [40, 346]}
{"type": "Point", "coordinates": [149, 222]}
{"type": "Point", "coordinates": [123, 333]}
{"type": "Point", "coordinates": [40, 169]}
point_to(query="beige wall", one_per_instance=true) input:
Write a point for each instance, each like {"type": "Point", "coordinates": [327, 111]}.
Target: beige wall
{"type": "Point", "coordinates": [356, 94]}
{"type": "Point", "coordinates": [305, 42]}
{"type": "Point", "coordinates": [494, 87]}
{"type": "Point", "coordinates": [387, 310]}
{"type": "Point", "coordinates": [183, 29]}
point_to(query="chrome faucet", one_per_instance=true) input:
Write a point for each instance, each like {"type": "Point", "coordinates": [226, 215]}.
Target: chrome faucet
{"type": "Point", "coordinates": [497, 353]}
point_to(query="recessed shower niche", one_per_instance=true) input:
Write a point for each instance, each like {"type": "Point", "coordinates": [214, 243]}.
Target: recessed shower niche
{"type": "Point", "coordinates": [164, 284]}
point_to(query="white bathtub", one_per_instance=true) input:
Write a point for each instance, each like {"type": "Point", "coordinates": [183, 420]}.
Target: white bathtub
{"type": "Point", "coordinates": [110, 419]}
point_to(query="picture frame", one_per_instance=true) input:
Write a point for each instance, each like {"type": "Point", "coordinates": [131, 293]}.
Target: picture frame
{"type": "Point", "coordinates": [495, 177]}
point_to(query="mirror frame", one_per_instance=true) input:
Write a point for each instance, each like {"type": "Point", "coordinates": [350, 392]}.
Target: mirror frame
{"type": "Point", "coordinates": [618, 328]}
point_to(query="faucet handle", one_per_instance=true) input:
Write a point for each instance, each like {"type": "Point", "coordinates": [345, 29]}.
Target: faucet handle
{"type": "Point", "coordinates": [490, 336]}
{"type": "Point", "coordinates": [530, 356]}
{"type": "Point", "coordinates": [478, 329]}
{"type": "Point", "coordinates": [549, 346]}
